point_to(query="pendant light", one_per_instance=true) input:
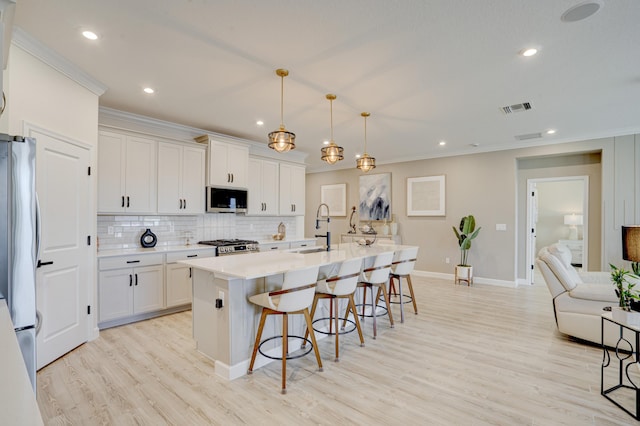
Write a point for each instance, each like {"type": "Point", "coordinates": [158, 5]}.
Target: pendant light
{"type": "Point", "coordinates": [365, 162]}
{"type": "Point", "coordinates": [282, 140]}
{"type": "Point", "coordinates": [332, 153]}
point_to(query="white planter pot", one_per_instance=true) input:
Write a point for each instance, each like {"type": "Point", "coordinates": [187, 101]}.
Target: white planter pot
{"type": "Point", "coordinates": [631, 318]}
{"type": "Point", "coordinates": [464, 273]}
{"type": "Point", "coordinates": [394, 228]}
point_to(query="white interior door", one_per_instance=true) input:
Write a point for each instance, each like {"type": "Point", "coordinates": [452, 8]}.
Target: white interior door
{"type": "Point", "coordinates": [63, 277]}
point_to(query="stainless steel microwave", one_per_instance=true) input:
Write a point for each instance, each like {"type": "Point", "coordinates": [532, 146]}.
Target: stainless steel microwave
{"type": "Point", "coordinates": [225, 200]}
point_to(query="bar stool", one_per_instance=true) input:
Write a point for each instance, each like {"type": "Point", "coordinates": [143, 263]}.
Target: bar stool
{"type": "Point", "coordinates": [401, 267]}
{"type": "Point", "coordinates": [295, 297]}
{"type": "Point", "coordinates": [377, 276]}
{"type": "Point", "coordinates": [342, 286]}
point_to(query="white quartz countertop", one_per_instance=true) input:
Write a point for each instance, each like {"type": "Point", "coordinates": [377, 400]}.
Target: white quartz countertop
{"type": "Point", "coordinates": [262, 264]}
{"type": "Point", "coordinates": [151, 250]}
{"type": "Point", "coordinates": [18, 404]}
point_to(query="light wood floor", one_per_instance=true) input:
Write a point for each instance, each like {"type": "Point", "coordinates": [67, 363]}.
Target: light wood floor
{"type": "Point", "coordinates": [472, 356]}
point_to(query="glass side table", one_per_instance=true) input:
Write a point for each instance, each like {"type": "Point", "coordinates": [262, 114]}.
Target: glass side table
{"type": "Point", "coordinates": [620, 371]}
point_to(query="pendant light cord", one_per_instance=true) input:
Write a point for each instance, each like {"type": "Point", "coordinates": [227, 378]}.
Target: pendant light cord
{"type": "Point", "coordinates": [365, 134]}
{"type": "Point", "coordinates": [282, 101]}
{"type": "Point", "coordinates": [331, 109]}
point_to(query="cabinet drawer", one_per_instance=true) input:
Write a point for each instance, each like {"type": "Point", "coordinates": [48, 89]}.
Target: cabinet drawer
{"type": "Point", "coordinates": [193, 254]}
{"type": "Point", "coordinates": [274, 246]}
{"type": "Point", "coordinates": [306, 243]}
{"type": "Point", "coordinates": [130, 261]}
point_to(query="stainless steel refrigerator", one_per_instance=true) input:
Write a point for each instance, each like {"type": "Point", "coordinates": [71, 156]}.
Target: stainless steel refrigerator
{"type": "Point", "coordinates": [19, 240]}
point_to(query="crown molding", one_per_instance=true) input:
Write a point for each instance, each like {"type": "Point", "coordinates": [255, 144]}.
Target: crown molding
{"type": "Point", "coordinates": [122, 120]}
{"type": "Point", "coordinates": [33, 46]}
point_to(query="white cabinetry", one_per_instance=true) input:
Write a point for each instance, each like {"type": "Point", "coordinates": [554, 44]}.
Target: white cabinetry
{"type": "Point", "coordinates": [181, 174]}
{"type": "Point", "coordinates": [126, 174]}
{"type": "Point", "coordinates": [263, 187]}
{"type": "Point", "coordinates": [292, 187]}
{"type": "Point", "coordinates": [178, 276]}
{"type": "Point", "coordinates": [286, 245]}
{"type": "Point", "coordinates": [228, 163]}
{"type": "Point", "coordinates": [130, 285]}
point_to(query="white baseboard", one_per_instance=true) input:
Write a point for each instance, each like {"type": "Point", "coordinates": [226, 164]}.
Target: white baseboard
{"type": "Point", "coordinates": [476, 280]}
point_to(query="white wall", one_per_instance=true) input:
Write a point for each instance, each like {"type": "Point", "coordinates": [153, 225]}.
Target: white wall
{"type": "Point", "coordinates": [37, 94]}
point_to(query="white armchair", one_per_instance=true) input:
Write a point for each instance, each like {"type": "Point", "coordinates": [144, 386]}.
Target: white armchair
{"type": "Point", "coordinates": [578, 298]}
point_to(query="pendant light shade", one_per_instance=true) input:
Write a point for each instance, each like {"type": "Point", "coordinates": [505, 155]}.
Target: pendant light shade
{"type": "Point", "coordinates": [365, 162]}
{"type": "Point", "coordinates": [332, 153]}
{"type": "Point", "coordinates": [282, 140]}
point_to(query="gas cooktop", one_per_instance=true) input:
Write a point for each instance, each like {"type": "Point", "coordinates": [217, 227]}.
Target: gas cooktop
{"type": "Point", "coordinates": [234, 246]}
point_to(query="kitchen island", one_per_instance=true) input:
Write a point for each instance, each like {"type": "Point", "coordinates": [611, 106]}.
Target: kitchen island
{"type": "Point", "coordinates": [225, 322]}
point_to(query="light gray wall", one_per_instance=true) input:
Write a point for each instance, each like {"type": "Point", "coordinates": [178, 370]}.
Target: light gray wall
{"type": "Point", "coordinates": [488, 186]}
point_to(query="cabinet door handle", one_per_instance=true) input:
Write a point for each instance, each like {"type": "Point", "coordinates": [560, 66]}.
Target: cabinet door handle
{"type": "Point", "coordinates": [231, 177]}
{"type": "Point", "coordinates": [127, 201]}
{"type": "Point", "coordinates": [189, 272]}
{"type": "Point", "coordinates": [180, 204]}
{"type": "Point", "coordinates": [185, 203]}
{"type": "Point", "coordinates": [123, 201]}
{"type": "Point", "coordinates": [133, 261]}
{"type": "Point", "coordinates": [228, 177]}
{"type": "Point", "coordinates": [274, 248]}
{"type": "Point", "coordinates": [130, 280]}
{"type": "Point", "coordinates": [136, 279]}
{"type": "Point", "coordinates": [192, 255]}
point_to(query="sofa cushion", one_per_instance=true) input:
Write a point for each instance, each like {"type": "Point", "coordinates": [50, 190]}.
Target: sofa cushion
{"type": "Point", "coordinates": [563, 254]}
{"type": "Point", "coordinates": [599, 292]}
{"type": "Point", "coordinates": [559, 271]}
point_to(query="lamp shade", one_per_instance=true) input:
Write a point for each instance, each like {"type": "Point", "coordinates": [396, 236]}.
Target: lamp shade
{"type": "Point", "coordinates": [631, 243]}
{"type": "Point", "coordinates": [573, 219]}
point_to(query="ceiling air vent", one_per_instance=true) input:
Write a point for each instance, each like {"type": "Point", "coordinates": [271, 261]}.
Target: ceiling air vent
{"type": "Point", "coordinates": [525, 106]}
{"type": "Point", "coordinates": [528, 136]}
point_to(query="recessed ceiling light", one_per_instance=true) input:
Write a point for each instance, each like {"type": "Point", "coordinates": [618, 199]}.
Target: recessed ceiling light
{"type": "Point", "coordinates": [529, 52]}
{"type": "Point", "coordinates": [551, 131]}
{"type": "Point", "coordinates": [90, 35]}
{"type": "Point", "coordinates": [148, 90]}
{"type": "Point", "coordinates": [260, 123]}
{"type": "Point", "coordinates": [442, 143]}
{"type": "Point", "coordinates": [475, 144]}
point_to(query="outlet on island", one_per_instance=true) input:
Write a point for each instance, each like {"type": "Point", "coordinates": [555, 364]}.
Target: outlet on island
{"type": "Point", "coordinates": [218, 303]}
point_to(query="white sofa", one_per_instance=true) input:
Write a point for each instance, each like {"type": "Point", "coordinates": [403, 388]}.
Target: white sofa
{"type": "Point", "coordinates": [578, 298]}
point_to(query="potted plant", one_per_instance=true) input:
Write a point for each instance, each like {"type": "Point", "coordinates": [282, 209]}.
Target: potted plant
{"type": "Point", "coordinates": [624, 282]}
{"type": "Point", "coordinates": [467, 232]}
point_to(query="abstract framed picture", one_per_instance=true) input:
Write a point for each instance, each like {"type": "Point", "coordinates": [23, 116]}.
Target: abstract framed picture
{"type": "Point", "coordinates": [335, 196]}
{"type": "Point", "coordinates": [426, 196]}
{"type": "Point", "coordinates": [375, 197]}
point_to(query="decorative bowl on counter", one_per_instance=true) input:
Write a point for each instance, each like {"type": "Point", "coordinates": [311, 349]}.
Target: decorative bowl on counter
{"type": "Point", "coordinates": [278, 236]}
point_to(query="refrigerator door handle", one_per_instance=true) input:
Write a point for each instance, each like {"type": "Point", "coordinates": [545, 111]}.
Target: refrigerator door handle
{"type": "Point", "coordinates": [38, 227]}
{"type": "Point", "coordinates": [38, 321]}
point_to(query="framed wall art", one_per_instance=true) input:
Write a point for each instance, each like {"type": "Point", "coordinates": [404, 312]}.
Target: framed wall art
{"type": "Point", "coordinates": [426, 196]}
{"type": "Point", "coordinates": [335, 196]}
{"type": "Point", "coordinates": [375, 197]}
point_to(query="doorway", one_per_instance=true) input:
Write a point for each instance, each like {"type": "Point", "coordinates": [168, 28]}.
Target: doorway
{"type": "Point", "coordinates": [557, 212]}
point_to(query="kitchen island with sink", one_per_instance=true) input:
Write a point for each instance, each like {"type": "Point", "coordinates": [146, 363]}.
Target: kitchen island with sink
{"type": "Point", "coordinates": [225, 322]}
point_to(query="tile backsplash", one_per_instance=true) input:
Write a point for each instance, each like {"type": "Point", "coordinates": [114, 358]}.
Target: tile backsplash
{"type": "Point", "coordinates": [121, 232]}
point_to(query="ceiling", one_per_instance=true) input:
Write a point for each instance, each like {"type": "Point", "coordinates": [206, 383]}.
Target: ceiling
{"type": "Point", "coordinates": [426, 70]}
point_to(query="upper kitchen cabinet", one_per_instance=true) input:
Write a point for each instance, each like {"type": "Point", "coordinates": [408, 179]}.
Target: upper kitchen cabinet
{"type": "Point", "coordinates": [228, 163]}
{"type": "Point", "coordinates": [181, 177]}
{"type": "Point", "coordinates": [263, 187]}
{"type": "Point", "coordinates": [126, 174]}
{"type": "Point", "coordinates": [292, 184]}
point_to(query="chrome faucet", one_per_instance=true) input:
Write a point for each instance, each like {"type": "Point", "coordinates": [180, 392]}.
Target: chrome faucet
{"type": "Point", "coordinates": [328, 219]}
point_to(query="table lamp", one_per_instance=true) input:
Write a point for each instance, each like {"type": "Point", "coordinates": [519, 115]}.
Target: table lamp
{"type": "Point", "coordinates": [573, 220]}
{"type": "Point", "coordinates": [631, 246]}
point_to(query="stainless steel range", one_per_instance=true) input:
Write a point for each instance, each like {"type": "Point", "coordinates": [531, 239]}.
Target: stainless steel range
{"type": "Point", "coordinates": [235, 246]}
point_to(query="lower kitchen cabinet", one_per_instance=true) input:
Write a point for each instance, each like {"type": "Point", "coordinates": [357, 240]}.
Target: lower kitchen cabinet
{"type": "Point", "coordinates": [178, 276]}
{"type": "Point", "coordinates": [136, 287]}
{"type": "Point", "coordinates": [131, 291]}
